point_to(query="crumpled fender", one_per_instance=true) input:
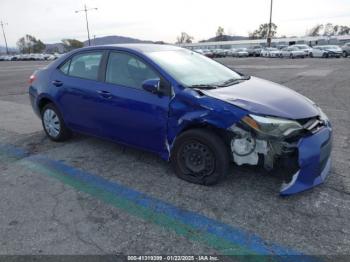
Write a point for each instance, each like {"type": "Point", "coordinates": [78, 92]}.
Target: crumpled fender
{"type": "Point", "coordinates": [314, 162]}
{"type": "Point", "coordinates": [190, 108]}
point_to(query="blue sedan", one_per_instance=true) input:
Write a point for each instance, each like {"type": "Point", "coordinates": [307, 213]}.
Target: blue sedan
{"type": "Point", "coordinates": [190, 110]}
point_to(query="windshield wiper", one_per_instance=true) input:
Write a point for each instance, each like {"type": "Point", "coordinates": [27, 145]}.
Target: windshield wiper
{"type": "Point", "coordinates": [204, 86]}
{"type": "Point", "coordinates": [245, 77]}
{"type": "Point", "coordinates": [233, 81]}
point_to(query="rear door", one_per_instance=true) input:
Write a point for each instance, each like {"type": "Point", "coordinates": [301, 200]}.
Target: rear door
{"type": "Point", "coordinates": [77, 82]}
{"type": "Point", "coordinates": [128, 113]}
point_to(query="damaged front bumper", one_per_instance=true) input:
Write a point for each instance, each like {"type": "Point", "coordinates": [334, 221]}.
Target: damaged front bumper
{"type": "Point", "coordinates": [305, 162]}
{"type": "Point", "coordinates": [314, 159]}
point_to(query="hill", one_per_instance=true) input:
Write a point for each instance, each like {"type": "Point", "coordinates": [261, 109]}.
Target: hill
{"type": "Point", "coordinates": [115, 39]}
{"type": "Point", "coordinates": [226, 38]}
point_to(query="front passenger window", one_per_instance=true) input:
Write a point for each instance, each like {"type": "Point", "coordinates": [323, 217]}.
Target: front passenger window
{"type": "Point", "coordinates": [127, 70]}
{"type": "Point", "coordinates": [86, 65]}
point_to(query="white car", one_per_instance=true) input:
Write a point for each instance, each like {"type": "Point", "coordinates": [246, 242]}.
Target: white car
{"type": "Point", "coordinates": [307, 49]}
{"type": "Point", "coordinates": [270, 52]}
{"type": "Point", "coordinates": [292, 52]}
{"type": "Point", "coordinates": [326, 51]}
{"type": "Point", "coordinates": [241, 52]}
{"type": "Point", "coordinates": [319, 51]}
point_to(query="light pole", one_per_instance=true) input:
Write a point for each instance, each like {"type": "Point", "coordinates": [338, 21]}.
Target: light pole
{"type": "Point", "coordinates": [270, 25]}
{"type": "Point", "coordinates": [3, 32]}
{"type": "Point", "coordinates": [86, 18]}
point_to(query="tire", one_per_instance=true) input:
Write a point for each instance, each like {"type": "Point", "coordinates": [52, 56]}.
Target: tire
{"type": "Point", "coordinates": [345, 54]}
{"type": "Point", "coordinates": [200, 157]}
{"type": "Point", "coordinates": [291, 56]}
{"type": "Point", "coordinates": [325, 55]}
{"type": "Point", "coordinates": [53, 124]}
{"type": "Point", "coordinates": [311, 55]}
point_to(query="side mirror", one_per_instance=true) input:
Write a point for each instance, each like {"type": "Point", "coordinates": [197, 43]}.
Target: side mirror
{"type": "Point", "coordinates": [152, 85]}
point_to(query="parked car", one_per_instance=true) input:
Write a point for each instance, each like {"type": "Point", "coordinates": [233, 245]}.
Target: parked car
{"type": "Point", "coordinates": [271, 52]}
{"type": "Point", "coordinates": [334, 51]}
{"type": "Point", "coordinates": [219, 53]}
{"type": "Point", "coordinates": [318, 51]}
{"type": "Point", "coordinates": [208, 53]}
{"type": "Point", "coordinates": [327, 51]}
{"type": "Point", "coordinates": [240, 52]}
{"type": "Point", "coordinates": [279, 47]}
{"type": "Point", "coordinates": [292, 52]}
{"type": "Point", "coordinates": [307, 49]}
{"type": "Point", "coordinates": [254, 50]}
{"type": "Point", "coordinates": [230, 52]}
{"type": "Point", "coordinates": [346, 49]}
{"type": "Point", "coordinates": [182, 106]}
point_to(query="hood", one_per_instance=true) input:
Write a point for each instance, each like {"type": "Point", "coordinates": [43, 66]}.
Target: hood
{"type": "Point", "coordinates": [334, 49]}
{"type": "Point", "coordinates": [266, 98]}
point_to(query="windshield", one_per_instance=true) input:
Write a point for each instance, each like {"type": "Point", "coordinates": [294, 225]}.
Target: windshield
{"type": "Point", "coordinates": [190, 68]}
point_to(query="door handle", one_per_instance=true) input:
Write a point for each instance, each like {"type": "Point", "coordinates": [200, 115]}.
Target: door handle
{"type": "Point", "coordinates": [104, 94]}
{"type": "Point", "coordinates": [57, 83]}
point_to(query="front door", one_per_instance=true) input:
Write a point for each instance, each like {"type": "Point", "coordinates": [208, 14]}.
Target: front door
{"type": "Point", "coordinates": [128, 113]}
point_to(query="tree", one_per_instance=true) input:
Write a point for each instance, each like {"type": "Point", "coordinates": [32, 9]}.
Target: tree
{"type": "Point", "coordinates": [329, 29]}
{"type": "Point", "coordinates": [29, 44]}
{"type": "Point", "coordinates": [263, 31]}
{"type": "Point", "coordinates": [316, 30]}
{"type": "Point", "coordinates": [71, 44]}
{"type": "Point", "coordinates": [184, 38]}
{"type": "Point", "coordinates": [343, 30]}
{"type": "Point", "coordinates": [220, 32]}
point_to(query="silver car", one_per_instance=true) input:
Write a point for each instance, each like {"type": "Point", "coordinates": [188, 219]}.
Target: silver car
{"type": "Point", "coordinates": [292, 52]}
{"type": "Point", "coordinates": [346, 49]}
{"type": "Point", "coordinates": [326, 51]}
{"type": "Point", "coordinates": [307, 49]}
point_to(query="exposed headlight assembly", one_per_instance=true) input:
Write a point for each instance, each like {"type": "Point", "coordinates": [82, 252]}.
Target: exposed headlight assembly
{"type": "Point", "coordinates": [271, 126]}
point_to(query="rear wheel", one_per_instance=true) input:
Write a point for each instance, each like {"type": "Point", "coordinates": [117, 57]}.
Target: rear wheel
{"type": "Point", "coordinates": [311, 55]}
{"type": "Point", "coordinates": [345, 54]}
{"type": "Point", "coordinates": [201, 157]}
{"type": "Point", "coordinates": [53, 124]}
{"type": "Point", "coordinates": [325, 55]}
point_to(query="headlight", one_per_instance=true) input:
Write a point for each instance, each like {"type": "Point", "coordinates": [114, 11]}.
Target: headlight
{"type": "Point", "coordinates": [271, 126]}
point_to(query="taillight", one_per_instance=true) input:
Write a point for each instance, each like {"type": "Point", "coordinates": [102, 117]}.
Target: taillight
{"type": "Point", "coordinates": [31, 79]}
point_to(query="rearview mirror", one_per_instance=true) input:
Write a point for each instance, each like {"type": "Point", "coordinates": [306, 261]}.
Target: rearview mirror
{"type": "Point", "coordinates": [151, 85]}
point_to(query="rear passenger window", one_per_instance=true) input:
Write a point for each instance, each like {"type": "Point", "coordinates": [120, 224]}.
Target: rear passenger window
{"type": "Point", "coordinates": [127, 70]}
{"type": "Point", "coordinates": [86, 65]}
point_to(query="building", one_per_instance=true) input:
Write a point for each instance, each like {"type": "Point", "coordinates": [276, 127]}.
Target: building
{"type": "Point", "coordinates": [309, 40]}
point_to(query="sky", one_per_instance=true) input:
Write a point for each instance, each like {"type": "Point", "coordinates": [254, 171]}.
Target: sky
{"type": "Point", "coordinates": [53, 20]}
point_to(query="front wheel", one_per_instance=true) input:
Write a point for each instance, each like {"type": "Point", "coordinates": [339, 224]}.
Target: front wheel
{"type": "Point", "coordinates": [53, 124]}
{"type": "Point", "coordinates": [200, 157]}
{"type": "Point", "coordinates": [345, 54]}
{"type": "Point", "coordinates": [311, 55]}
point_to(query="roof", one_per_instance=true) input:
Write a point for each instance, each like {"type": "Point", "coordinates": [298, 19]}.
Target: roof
{"type": "Point", "coordinates": [143, 48]}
